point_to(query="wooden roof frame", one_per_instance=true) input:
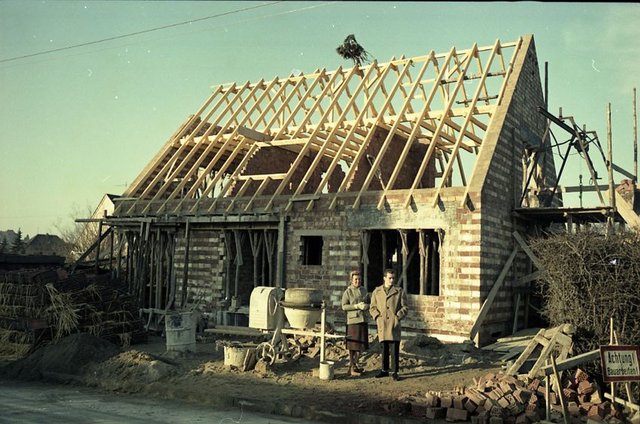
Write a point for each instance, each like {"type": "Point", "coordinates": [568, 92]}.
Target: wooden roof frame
{"type": "Point", "coordinates": [331, 115]}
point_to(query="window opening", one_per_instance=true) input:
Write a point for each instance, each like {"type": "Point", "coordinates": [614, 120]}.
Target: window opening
{"type": "Point", "coordinates": [312, 250]}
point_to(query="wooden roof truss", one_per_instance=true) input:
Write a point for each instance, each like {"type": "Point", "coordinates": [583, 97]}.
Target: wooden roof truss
{"type": "Point", "coordinates": [444, 101]}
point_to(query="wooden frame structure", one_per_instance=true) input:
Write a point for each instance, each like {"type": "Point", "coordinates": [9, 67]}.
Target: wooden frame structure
{"type": "Point", "coordinates": [326, 121]}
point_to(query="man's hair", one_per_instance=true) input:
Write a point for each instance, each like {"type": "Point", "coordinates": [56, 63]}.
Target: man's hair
{"type": "Point", "coordinates": [389, 271]}
{"type": "Point", "coordinates": [353, 273]}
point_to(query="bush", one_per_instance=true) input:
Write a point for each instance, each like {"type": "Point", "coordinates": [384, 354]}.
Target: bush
{"type": "Point", "coordinates": [588, 279]}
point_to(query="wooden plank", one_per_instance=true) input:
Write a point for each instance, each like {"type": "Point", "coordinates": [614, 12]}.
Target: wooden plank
{"type": "Point", "coordinates": [524, 356]}
{"type": "Point", "coordinates": [626, 211]}
{"type": "Point", "coordinates": [563, 403]}
{"type": "Point", "coordinates": [527, 250]}
{"type": "Point", "coordinates": [544, 355]}
{"type": "Point", "coordinates": [486, 305]}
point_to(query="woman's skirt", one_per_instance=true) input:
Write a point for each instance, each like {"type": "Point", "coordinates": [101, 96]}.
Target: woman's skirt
{"type": "Point", "coordinates": [358, 336]}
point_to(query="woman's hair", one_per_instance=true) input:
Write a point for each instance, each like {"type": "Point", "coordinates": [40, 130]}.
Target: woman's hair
{"type": "Point", "coordinates": [352, 274]}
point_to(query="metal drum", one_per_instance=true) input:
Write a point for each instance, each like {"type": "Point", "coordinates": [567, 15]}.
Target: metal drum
{"type": "Point", "coordinates": [302, 307]}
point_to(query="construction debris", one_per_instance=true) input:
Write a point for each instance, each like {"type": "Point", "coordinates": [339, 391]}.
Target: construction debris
{"type": "Point", "coordinates": [500, 398]}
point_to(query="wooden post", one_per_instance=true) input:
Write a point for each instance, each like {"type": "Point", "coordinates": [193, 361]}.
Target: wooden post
{"type": "Point", "coordinates": [423, 261]}
{"type": "Point", "coordinates": [404, 252]}
{"type": "Point", "coordinates": [611, 340]}
{"type": "Point", "coordinates": [384, 250]}
{"type": "Point", "coordinates": [98, 246]}
{"type": "Point", "coordinates": [185, 273]}
{"type": "Point", "coordinates": [612, 198]}
{"type": "Point", "coordinates": [111, 251]}
{"type": "Point", "coordinates": [565, 412]}
{"type": "Point", "coordinates": [635, 138]}
{"type": "Point", "coordinates": [547, 393]}
{"type": "Point", "coordinates": [546, 85]}
{"type": "Point", "coordinates": [280, 259]}
{"type": "Point", "coordinates": [322, 332]}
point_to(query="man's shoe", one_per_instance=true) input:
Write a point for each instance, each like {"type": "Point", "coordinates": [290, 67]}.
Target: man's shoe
{"type": "Point", "coordinates": [395, 376]}
{"type": "Point", "coordinates": [382, 374]}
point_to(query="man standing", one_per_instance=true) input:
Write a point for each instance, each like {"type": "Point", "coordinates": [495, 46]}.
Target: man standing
{"type": "Point", "coordinates": [388, 308]}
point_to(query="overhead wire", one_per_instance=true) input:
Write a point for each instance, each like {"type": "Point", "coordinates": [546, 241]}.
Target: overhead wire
{"type": "Point", "coordinates": [270, 15]}
{"type": "Point", "coordinates": [131, 34]}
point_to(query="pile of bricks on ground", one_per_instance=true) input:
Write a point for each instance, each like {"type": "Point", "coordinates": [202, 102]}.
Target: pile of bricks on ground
{"type": "Point", "coordinates": [497, 399]}
{"type": "Point", "coordinates": [27, 319]}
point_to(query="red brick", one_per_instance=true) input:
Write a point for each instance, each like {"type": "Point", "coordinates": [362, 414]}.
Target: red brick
{"type": "Point", "coordinates": [459, 401]}
{"type": "Point", "coordinates": [432, 400]}
{"type": "Point", "coordinates": [436, 413]}
{"type": "Point", "coordinates": [585, 388]}
{"type": "Point", "coordinates": [455, 414]}
{"type": "Point", "coordinates": [446, 401]}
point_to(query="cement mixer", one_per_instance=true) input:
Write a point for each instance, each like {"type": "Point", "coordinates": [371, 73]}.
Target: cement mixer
{"type": "Point", "coordinates": [302, 307]}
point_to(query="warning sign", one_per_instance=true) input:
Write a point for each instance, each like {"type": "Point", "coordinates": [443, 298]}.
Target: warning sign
{"type": "Point", "coordinates": [620, 363]}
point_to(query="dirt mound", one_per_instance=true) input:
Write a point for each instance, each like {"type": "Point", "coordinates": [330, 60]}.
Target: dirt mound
{"type": "Point", "coordinates": [68, 356]}
{"type": "Point", "coordinates": [128, 371]}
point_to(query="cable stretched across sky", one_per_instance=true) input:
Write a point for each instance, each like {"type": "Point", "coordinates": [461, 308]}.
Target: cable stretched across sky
{"type": "Point", "coordinates": [131, 34]}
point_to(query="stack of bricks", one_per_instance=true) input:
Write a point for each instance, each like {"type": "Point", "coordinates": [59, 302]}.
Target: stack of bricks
{"type": "Point", "coordinates": [498, 399]}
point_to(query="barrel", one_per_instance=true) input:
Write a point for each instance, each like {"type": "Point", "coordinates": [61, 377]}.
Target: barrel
{"type": "Point", "coordinates": [180, 330]}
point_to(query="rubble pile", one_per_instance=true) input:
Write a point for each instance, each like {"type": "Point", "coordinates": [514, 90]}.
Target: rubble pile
{"type": "Point", "coordinates": [499, 398]}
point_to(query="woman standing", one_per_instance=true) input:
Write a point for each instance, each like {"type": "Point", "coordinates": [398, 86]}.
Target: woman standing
{"type": "Point", "coordinates": [355, 301]}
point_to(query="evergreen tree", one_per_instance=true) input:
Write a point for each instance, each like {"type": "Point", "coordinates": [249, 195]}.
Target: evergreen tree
{"type": "Point", "coordinates": [18, 244]}
{"type": "Point", "coordinates": [3, 245]}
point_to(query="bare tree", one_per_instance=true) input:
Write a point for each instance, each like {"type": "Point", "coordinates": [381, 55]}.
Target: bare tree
{"type": "Point", "coordinates": [79, 236]}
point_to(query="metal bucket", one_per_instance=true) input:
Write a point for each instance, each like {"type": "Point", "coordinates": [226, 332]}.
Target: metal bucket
{"type": "Point", "coordinates": [180, 330]}
{"type": "Point", "coordinates": [239, 356]}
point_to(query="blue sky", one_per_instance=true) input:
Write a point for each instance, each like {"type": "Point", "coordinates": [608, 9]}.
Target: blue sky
{"type": "Point", "coordinates": [81, 122]}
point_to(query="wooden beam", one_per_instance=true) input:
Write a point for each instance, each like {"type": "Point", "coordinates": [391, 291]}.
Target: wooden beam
{"type": "Point", "coordinates": [436, 135]}
{"type": "Point", "coordinates": [221, 149]}
{"type": "Point", "coordinates": [486, 305]}
{"type": "Point", "coordinates": [528, 251]}
{"type": "Point", "coordinates": [296, 163]}
{"type": "Point", "coordinates": [385, 145]}
{"type": "Point", "coordinates": [177, 154]}
{"type": "Point", "coordinates": [192, 153]}
{"type": "Point", "coordinates": [449, 167]}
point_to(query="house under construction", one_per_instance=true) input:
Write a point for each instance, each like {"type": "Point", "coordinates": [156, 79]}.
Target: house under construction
{"type": "Point", "coordinates": [436, 166]}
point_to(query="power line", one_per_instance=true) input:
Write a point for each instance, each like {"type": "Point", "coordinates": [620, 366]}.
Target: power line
{"type": "Point", "coordinates": [131, 34]}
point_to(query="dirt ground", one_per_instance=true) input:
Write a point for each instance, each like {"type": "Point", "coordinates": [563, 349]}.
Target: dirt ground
{"type": "Point", "coordinates": [202, 377]}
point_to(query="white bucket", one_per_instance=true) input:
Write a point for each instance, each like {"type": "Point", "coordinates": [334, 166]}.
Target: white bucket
{"type": "Point", "coordinates": [326, 370]}
{"type": "Point", "coordinates": [180, 330]}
